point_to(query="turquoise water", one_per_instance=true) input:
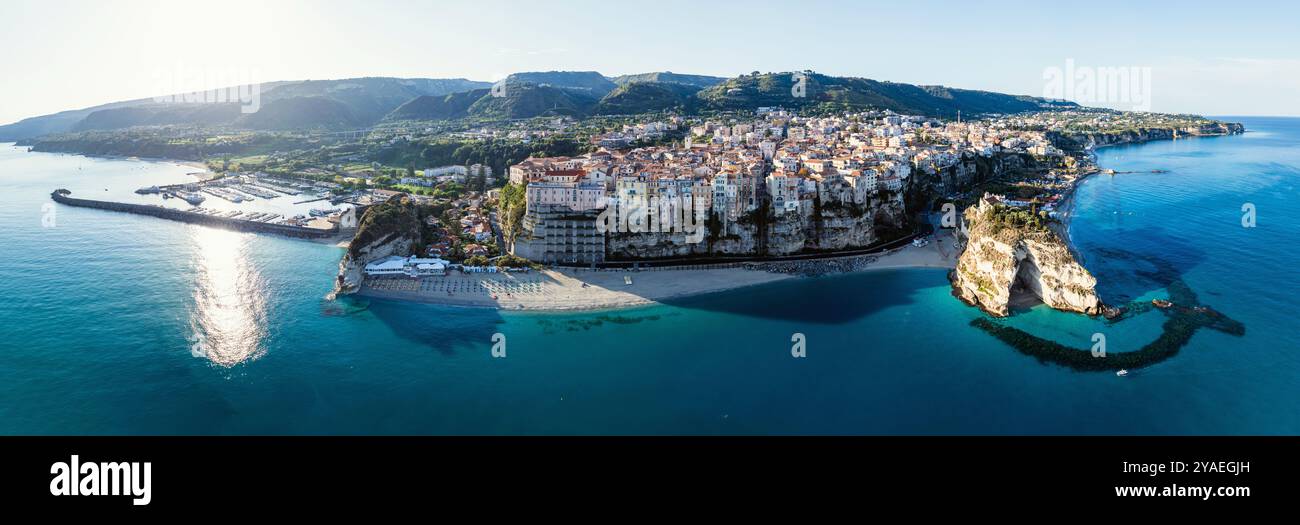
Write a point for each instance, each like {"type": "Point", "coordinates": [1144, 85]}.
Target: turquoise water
{"type": "Point", "coordinates": [99, 315]}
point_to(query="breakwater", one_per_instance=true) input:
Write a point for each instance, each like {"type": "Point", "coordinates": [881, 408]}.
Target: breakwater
{"type": "Point", "coordinates": [62, 196]}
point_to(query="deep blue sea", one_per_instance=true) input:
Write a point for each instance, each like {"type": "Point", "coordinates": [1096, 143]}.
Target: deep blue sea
{"type": "Point", "coordinates": [100, 311]}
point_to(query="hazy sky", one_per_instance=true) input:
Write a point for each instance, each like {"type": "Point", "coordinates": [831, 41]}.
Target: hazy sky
{"type": "Point", "coordinates": [1219, 58]}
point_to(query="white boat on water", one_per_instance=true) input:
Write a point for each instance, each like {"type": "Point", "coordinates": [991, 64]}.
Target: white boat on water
{"type": "Point", "coordinates": [192, 198]}
{"type": "Point", "coordinates": [1122, 373]}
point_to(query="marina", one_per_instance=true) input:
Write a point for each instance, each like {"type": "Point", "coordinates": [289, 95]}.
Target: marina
{"type": "Point", "coordinates": [249, 198]}
{"type": "Point", "coordinates": [276, 187]}
{"type": "Point", "coordinates": [256, 191]}
{"type": "Point", "coordinates": [225, 194]}
{"type": "Point", "coordinates": [231, 220]}
{"type": "Point", "coordinates": [236, 189]}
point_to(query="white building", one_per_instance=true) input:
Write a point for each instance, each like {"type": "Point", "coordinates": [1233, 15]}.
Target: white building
{"type": "Point", "coordinates": [462, 171]}
{"type": "Point", "coordinates": [784, 190]}
{"type": "Point", "coordinates": [407, 266]}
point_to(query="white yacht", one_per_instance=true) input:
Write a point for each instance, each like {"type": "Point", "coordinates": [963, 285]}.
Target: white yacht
{"type": "Point", "coordinates": [192, 198]}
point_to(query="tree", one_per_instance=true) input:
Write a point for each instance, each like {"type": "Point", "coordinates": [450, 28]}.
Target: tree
{"type": "Point", "coordinates": [513, 205]}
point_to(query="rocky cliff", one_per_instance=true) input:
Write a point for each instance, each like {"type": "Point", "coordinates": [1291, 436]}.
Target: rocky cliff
{"type": "Point", "coordinates": [832, 221]}
{"type": "Point", "coordinates": [390, 228]}
{"type": "Point", "coordinates": [929, 182]}
{"type": "Point", "coordinates": [1070, 141]}
{"type": "Point", "coordinates": [1012, 255]}
{"type": "Point", "coordinates": [822, 224]}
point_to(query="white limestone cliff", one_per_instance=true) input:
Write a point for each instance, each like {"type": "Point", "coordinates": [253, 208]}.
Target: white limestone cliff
{"type": "Point", "coordinates": [1009, 250]}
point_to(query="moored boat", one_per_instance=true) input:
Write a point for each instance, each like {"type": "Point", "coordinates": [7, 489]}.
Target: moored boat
{"type": "Point", "coordinates": [192, 198]}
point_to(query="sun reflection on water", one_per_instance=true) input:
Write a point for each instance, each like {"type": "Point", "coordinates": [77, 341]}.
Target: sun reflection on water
{"type": "Point", "coordinates": [229, 315]}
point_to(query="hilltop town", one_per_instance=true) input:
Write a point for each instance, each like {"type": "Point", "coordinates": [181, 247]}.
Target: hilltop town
{"type": "Point", "coordinates": [775, 184]}
{"type": "Point", "coordinates": [750, 198]}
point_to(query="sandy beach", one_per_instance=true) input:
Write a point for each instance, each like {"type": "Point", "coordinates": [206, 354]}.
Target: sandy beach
{"type": "Point", "coordinates": [583, 289]}
{"type": "Point", "coordinates": [202, 173]}
{"type": "Point", "coordinates": [341, 239]}
{"type": "Point", "coordinates": [201, 168]}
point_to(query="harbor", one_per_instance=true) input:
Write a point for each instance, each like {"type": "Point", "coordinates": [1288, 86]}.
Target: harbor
{"type": "Point", "coordinates": [238, 221]}
{"type": "Point", "coordinates": [235, 199]}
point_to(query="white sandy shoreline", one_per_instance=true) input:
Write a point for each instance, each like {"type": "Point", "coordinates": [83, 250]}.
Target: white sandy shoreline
{"type": "Point", "coordinates": [564, 290]}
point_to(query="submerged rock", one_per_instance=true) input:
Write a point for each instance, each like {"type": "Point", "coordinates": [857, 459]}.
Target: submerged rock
{"type": "Point", "coordinates": [1009, 249]}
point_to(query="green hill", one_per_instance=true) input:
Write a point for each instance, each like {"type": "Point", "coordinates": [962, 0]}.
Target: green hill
{"type": "Point", "coordinates": [361, 102]}
{"type": "Point", "coordinates": [643, 97]}
{"type": "Point", "coordinates": [302, 112]}
{"type": "Point", "coordinates": [60, 122]}
{"type": "Point", "coordinates": [776, 89]}
{"type": "Point", "coordinates": [527, 100]}
{"type": "Point", "coordinates": [591, 83]}
{"type": "Point", "coordinates": [699, 81]}
{"type": "Point", "coordinates": [158, 115]}
{"type": "Point", "coordinates": [370, 99]}
{"type": "Point", "coordinates": [356, 101]}
{"type": "Point", "coordinates": [446, 107]}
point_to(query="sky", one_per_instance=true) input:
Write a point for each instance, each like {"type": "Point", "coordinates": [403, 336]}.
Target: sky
{"type": "Point", "coordinates": [1212, 58]}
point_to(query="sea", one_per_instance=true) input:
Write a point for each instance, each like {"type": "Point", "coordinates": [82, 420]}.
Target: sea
{"type": "Point", "coordinates": [112, 323]}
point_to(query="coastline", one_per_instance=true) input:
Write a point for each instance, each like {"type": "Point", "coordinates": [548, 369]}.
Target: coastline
{"type": "Point", "coordinates": [581, 290]}
{"type": "Point", "coordinates": [202, 174]}
{"type": "Point", "coordinates": [1065, 209]}
{"type": "Point", "coordinates": [1065, 213]}
{"type": "Point", "coordinates": [564, 290]}
{"type": "Point", "coordinates": [340, 239]}
{"type": "Point", "coordinates": [197, 164]}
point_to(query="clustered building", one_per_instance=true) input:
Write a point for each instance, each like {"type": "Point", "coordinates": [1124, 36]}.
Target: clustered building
{"type": "Point", "coordinates": [732, 168]}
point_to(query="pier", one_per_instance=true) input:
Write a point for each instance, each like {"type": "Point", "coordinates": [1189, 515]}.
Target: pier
{"type": "Point", "coordinates": [62, 196]}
